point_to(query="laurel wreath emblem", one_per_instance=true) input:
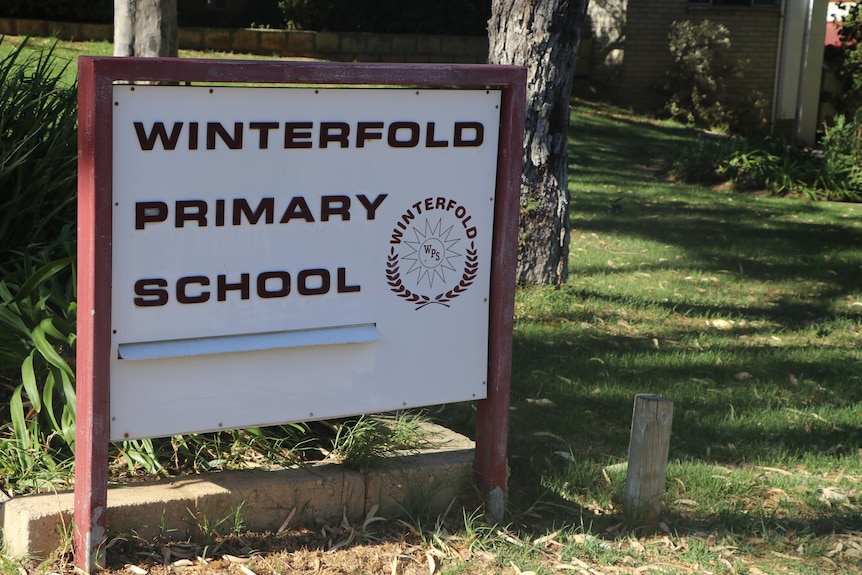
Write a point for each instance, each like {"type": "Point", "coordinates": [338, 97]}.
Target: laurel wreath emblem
{"type": "Point", "coordinates": [393, 275]}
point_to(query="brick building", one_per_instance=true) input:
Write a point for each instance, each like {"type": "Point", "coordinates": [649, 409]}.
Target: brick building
{"type": "Point", "coordinates": [779, 41]}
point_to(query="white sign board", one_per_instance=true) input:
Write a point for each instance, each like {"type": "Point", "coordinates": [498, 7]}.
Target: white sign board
{"type": "Point", "coordinates": [285, 254]}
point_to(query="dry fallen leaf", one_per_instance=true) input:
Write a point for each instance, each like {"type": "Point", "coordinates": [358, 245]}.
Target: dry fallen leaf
{"type": "Point", "coordinates": [136, 570]}
{"type": "Point", "coordinates": [727, 564]}
{"type": "Point", "coordinates": [786, 556]}
{"type": "Point", "coordinates": [775, 470]}
{"type": "Point", "coordinates": [541, 402]}
{"type": "Point", "coordinates": [547, 538]}
{"type": "Point", "coordinates": [721, 324]}
{"type": "Point", "coordinates": [485, 556]}
{"type": "Point", "coordinates": [830, 495]}
{"type": "Point", "coordinates": [837, 549]}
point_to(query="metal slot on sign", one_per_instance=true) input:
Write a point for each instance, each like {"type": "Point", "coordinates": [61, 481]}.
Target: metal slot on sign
{"type": "Point", "coordinates": [362, 333]}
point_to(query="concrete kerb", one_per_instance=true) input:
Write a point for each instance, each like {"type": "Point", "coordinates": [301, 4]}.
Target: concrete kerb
{"type": "Point", "coordinates": [35, 525]}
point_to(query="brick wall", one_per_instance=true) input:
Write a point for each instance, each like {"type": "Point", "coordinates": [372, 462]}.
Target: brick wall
{"type": "Point", "coordinates": [344, 46]}
{"type": "Point", "coordinates": [641, 27]}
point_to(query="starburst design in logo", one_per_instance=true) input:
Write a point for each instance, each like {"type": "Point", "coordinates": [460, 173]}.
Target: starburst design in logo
{"type": "Point", "coordinates": [432, 253]}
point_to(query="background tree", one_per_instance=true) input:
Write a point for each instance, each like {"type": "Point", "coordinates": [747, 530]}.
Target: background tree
{"type": "Point", "coordinates": [850, 66]}
{"type": "Point", "coordinates": [544, 36]}
{"type": "Point", "coordinates": [145, 28]}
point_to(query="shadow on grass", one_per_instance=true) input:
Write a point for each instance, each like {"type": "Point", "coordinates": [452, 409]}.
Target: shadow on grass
{"type": "Point", "coordinates": [785, 311]}
{"type": "Point", "coordinates": [733, 403]}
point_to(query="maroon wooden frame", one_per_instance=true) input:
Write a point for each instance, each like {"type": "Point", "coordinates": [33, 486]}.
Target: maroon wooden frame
{"type": "Point", "coordinates": [95, 79]}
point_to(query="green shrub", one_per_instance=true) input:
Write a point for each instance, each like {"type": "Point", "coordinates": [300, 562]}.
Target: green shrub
{"type": "Point", "coordinates": [834, 172]}
{"type": "Point", "coordinates": [696, 86]}
{"type": "Point", "coordinates": [849, 69]}
{"type": "Point", "coordinates": [256, 14]}
{"type": "Point", "coordinates": [700, 163]}
{"type": "Point", "coordinates": [38, 150]}
{"type": "Point", "coordinates": [841, 174]}
{"type": "Point", "coordinates": [452, 17]}
{"type": "Point", "coordinates": [771, 164]}
{"type": "Point", "coordinates": [62, 10]}
{"type": "Point", "coordinates": [696, 83]}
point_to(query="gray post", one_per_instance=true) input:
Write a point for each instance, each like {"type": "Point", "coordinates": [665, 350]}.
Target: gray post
{"type": "Point", "coordinates": [647, 466]}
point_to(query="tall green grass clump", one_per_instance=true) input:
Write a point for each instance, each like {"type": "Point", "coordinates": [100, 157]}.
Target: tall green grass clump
{"type": "Point", "coordinates": [38, 151]}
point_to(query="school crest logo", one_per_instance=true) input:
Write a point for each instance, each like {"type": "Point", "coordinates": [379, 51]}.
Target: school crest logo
{"type": "Point", "coordinates": [432, 254]}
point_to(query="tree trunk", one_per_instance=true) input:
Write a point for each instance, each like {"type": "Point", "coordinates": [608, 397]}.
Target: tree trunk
{"type": "Point", "coordinates": [544, 36]}
{"type": "Point", "coordinates": [145, 28]}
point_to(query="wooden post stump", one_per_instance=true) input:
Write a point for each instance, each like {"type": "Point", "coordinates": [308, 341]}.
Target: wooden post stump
{"type": "Point", "coordinates": [647, 466]}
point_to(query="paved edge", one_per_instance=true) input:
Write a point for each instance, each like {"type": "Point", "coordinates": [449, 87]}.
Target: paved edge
{"type": "Point", "coordinates": [34, 526]}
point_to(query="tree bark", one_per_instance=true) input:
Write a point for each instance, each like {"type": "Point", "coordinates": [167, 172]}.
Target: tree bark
{"type": "Point", "coordinates": [544, 36]}
{"type": "Point", "coordinates": [145, 28]}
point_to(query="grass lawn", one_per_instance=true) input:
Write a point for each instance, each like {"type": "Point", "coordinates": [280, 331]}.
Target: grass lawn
{"type": "Point", "coordinates": [744, 310]}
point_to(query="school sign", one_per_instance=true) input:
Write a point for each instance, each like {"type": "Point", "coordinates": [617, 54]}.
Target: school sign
{"type": "Point", "coordinates": [290, 248]}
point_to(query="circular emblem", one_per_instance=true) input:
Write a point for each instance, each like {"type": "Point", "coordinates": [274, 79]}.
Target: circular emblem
{"type": "Point", "coordinates": [432, 255]}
